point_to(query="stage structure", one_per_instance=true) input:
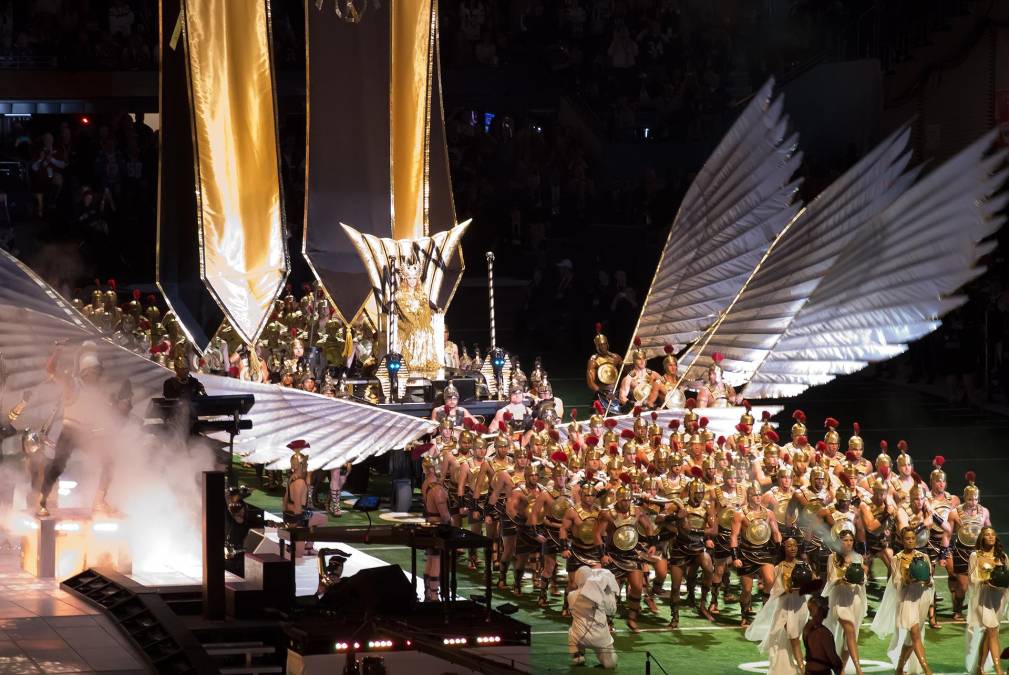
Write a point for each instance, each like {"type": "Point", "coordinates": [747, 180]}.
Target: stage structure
{"type": "Point", "coordinates": [376, 157]}
{"type": "Point", "coordinates": [222, 240]}
{"type": "Point", "coordinates": [789, 295]}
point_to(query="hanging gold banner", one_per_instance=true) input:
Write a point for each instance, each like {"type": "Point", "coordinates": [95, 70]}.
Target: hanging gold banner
{"type": "Point", "coordinates": [410, 116]}
{"type": "Point", "coordinates": [243, 251]}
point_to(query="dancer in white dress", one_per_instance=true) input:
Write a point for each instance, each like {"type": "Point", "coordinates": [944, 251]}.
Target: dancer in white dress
{"type": "Point", "coordinates": [986, 604]}
{"type": "Point", "coordinates": [847, 600]}
{"type": "Point", "coordinates": [904, 608]}
{"type": "Point", "coordinates": [778, 625]}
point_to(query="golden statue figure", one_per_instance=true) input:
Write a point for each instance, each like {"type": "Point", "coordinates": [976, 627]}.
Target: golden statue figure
{"type": "Point", "coordinates": [418, 335]}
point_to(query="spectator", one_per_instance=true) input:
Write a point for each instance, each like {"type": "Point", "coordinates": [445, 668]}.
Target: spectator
{"type": "Point", "coordinates": [821, 656]}
{"type": "Point", "coordinates": [121, 18]}
{"type": "Point", "coordinates": [47, 174]}
{"type": "Point", "coordinates": [109, 170]}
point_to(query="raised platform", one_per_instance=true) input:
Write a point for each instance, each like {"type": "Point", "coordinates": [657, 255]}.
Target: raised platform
{"type": "Point", "coordinates": [69, 541]}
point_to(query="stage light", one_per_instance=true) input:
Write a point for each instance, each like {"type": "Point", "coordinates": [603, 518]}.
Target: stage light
{"type": "Point", "coordinates": [68, 527]}
{"type": "Point", "coordinates": [85, 120]}
{"type": "Point", "coordinates": [341, 646]}
{"type": "Point", "coordinates": [379, 644]}
{"type": "Point", "coordinates": [105, 527]}
{"type": "Point", "coordinates": [497, 362]}
{"type": "Point", "coordinates": [455, 641]}
{"type": "Point", "coordinates": [488, 639]}
{"type": "Point", "coordinates": [393, 363]}
{"type": "Point", "coordinates": [357, 645]}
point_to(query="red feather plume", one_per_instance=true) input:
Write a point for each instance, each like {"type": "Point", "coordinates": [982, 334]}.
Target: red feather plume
{"type": "Point", "coordinates": [718, 357]}
{"type": "Point", "coordinates": [846, 479]}
{"type": "Point", "coordinates": [574, 414]}
{"type": "Point", "coordinates": [539, 425]}
{"type": "Point", "coordinates": [507, 416]}
{"type": "Point", "coordinates": [917, 477]}
{"type": "Point", "coordinates": [883, 445]}
{"type": "Point", "coordinates": [690, 404]}
{"type": "Point", "coordinates": [627, 433]}
{"type": "Point", "coordinates": [625, 478]}
{"type": "Point", "coordinates": [637, 342]}
{"type": "Point", "coordinates": [599, 327]}
{"type": "Point", "coordinates": [787, 459]}
{"type": "Point", "coordinates": [772, 435]}
{"type": "Point", "coordinates": [799, 416]}
{"type": "Point", "coordinates": [743, 428]}
{"type": "Point", "coordinates": [721, 441]}
{"type": "Point", "coordinates": [609, 423]}
{"type": "Point", "coordinates": [830, 422]}
{"type": "Point", "coordinates": [614, 450]}
{"type": "Point", "coordinates": [668, 348]}
{"type": "Point", "coordinates": [674, 424]}
{"type": "Point", "coordinates": [655, 415]}
{"type": "Point", "coordinates": [637, 411]}
{"type": "Point", "coordinates": [592, 440]}
{"type": "Point", "coordinates": [938, 461]}
{"type": "Point", "coordinates": [821, 446]}
{"type": "Point", "coordinates": [703, 422]}
{"type": "Point", "coordinates": [765, 416]}
{"type": "Point", "coordinates": [696, 472]}
{"type": "Point", "coordinates": [970, 476]}
{"type": "Point", "coordinates": [136, 294]}
{"type": "Point", "coordinates": [850, 456]}
{"type": "Point", "coordinates": [558, 456]}
{"type": "Point", "coordinates": [555, 435]}
{"type": "Point", "coordinates": [857, 427]}
{"type": "Point", "coordinates": [597, 406]}
{"type": "Point", "coordinates": [746, 404]}
{"type": "Point", "coordinates": [902, 445]}
{"type": "Point", "coordinates": [576, 446]}
{"type": "Point", "coordinates": [801, 439]}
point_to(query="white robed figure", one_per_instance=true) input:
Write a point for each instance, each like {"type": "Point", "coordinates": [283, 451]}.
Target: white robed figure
{"type": "Point", "coordinates": [778, 625]}
{"type": "Point", "coordinates": [904, 609]}
{"type": "Point", "coordinates": [593, 599]}
{"type": "Point", "coordinates": [986, 604]}
{"type": "Point", "coordinates": [847, 602]}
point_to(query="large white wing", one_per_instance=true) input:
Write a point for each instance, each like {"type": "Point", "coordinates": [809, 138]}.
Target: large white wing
{"type": "Point", "coordinates": [738, 203]}
{"type": "Point", "coordinates": [34, 320]}
{"type": "Point", "coordinates": [870, 266]}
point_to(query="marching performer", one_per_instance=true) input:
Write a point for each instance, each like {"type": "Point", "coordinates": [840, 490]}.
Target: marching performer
{"type": "Point", "coordinates": [846, 590]}
{"type": "Point", "coordinates": [578, 530]}
{"type": "Point", "coordinates": [812, 501]}
{"type": "Point", "coordinates": [552, 503]}
{"type": "Point", "coordinates": [942, 504]}
{"type": "Point", "coordinates": [753, 554]}
{"type": "Point", "coordinates": [436, 512]}
{"type": "Point", "coordinates": [696, 526]}
{"type": "Point", "coordinates": [986, 603]}
{"type": "Point", "coordinates": [967, 520]}
{"type": "Point", "coordinates": [618, 529]}
{"type": "Point", "coordinates": [727, 500]}
{"type": "Point", "coordinates": [779, 623]}
{"type": "Point", "coordinates": [878, 517]}
{"type": "Point", "coordinates": [905, 605]}
{"type": "Point", "coordinates": [520, 509]}
{"type": "Point", "coordinates": [918, 515]}
{"type": "Point", "coordinates": [473, 489]}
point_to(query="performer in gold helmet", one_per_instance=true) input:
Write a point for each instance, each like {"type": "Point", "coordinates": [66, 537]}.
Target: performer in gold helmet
{"type": "Point", "coordinates": [638, 382]}
{"type": "Point", "coordinates": [755, 540]}
{"type": "Point", "coordinates": [715, 392]}
{"type": "Point", "coordinates": [603, 368]}
{"type": "Point", "coordinates": [967, 520]}
{"type": "Point", "coordinates": [669, 391]}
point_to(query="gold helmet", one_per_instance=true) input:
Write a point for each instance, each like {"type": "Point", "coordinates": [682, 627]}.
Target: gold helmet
{"type": "Point", "coordinates": [446, 424]}
{"type": "Point", "coordinates": [597, 417]}
{"type": "Point", "coordinates": [655, 429]}
{"type": "Point", "coordinates": [97, 296]}
{"type": "Point", "coordinates": [450, 392]}
{"type": "Point", "coordinates": [915, 491]}
{"type": "Point", "coordinates": [112, 295]}
{"type": "Point", "coordinates": [878, 485]}
{"type": "Point", "coordinates": [697, 488]}
{"type": "Point", "coordinates": [689, 417]}
{"type": "Point", "coordinates": [710, 462]}
{"type": "Point", "coordinates": [752, 490]}
{"type": "Point", "coordinates": [299, 460]}
{"type": "Point", "coordinates": [502, 440]}
{"type": "Point", "coordinates": [638, 352]}
{"type": "Point", "coordinates": [971, 490]}
{"type": "Point", "coordinates": [799, 427]}
{"type": "Point", "coordinates": [855, 442]}
{"type": "Point", "coordinates": [799, 454]}
{"type": "Point", "coordinates": [640, 425]}
{"type": "Point", "coordinates": [624, 493]}
{"type": "Point", "coordinates": [842, 494]}
{"type": "Point", "coordinates": [574, 427]}
{"type": "Point", "coordinates": [903, 459]}
{"type": "Point", "coordinates": [883, 458]}
{"type": "Point", "coordinates": [831, 436]}
{"type": "Point", "coordinates": [817, 472]}
{"type": "Point", "coordinates": [938, 475]}
{"type": "Point", "coordinates": [600, 341]}
{"type": "Point", "coordinates": [670, 357]}
{"type": "Point", "coordinates": [747, 417]}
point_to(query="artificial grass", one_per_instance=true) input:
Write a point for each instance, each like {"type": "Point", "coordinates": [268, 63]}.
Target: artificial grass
{"type": "Point", "coordinates": [698, 645]}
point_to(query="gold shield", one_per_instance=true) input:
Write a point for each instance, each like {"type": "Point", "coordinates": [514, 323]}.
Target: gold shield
{"type": "Point", "coordinates": [625, 538]}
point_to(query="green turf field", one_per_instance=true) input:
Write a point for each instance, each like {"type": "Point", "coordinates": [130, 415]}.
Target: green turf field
{"type": "Point", "coordinates": [968, 439]}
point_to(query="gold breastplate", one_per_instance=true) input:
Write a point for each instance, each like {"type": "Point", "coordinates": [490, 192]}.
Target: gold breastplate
{"type": "Point", "coordinates": [758, 531]}
{"type": "Point", "coordinates": [560, 505]}
{"type": "Point", "coordinates": [781, 503]}
{"type": "Point", "coordinates": [696, 517]}
{"type": "Point", "coordinates": [941, 505]}
{"type": "Point", "coordinates": [501, 464]}
{"type": "Point", "coordinates": [728, 504]}
{"type": "Point", "coordinates": [606, 369]}
{"type": "Point", "coordinates": [970, 527]}
{"type": "Point", "coordinates": [584, 530]}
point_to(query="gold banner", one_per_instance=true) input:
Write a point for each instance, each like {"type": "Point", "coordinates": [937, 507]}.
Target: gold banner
{"type": "Point", "coordinates": [409, 112]}
{"type": "Point", "coordinates": [243, 250]}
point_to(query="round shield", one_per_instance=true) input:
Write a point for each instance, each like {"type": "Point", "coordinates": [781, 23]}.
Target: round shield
{"type": "Point", "coordinates": [999, 577]}
{"type": "Point", "coordinates": [921, 537]}
{"type": "Point", "coordinates": [725, 518]}
{"type": "Point", "coordinates": [641, 392]}
{"type": "Point", "coordinates": [560, 507]}
{"type": "Point", "coordinates": [758, 532]}
{"type": "Point", "coordinates": [813, 507]}
{"type": "Point", "coordinates": [854, 574]}
{"type": "Point", "coordinates": [968, 533]}
{"type": "Point", "coordinates": [606, 373]}
{"type": "Point", "coordinates": [625, 538]}
{"type": "Point", "coordinates": [585, 531]}
{"type": "Point", "coordinates": [919, 569]}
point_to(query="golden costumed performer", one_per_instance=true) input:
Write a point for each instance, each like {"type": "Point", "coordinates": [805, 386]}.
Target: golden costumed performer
{"type": "Point", "coordinates": [417, 318]}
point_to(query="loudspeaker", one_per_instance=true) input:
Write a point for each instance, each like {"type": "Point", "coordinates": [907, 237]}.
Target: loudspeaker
{"type": "Point", "coordinates": [257, 542]}
{"type": "Point", "coordinates": [377, 589]}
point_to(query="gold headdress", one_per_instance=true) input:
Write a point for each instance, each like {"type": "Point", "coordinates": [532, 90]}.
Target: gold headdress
{"type": "Point", "coordinates": [855, 442]}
